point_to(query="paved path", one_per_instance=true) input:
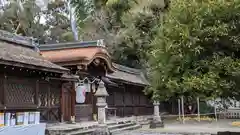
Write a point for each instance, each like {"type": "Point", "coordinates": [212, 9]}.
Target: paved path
{"type": "Point", "coordinates": [189, 128]}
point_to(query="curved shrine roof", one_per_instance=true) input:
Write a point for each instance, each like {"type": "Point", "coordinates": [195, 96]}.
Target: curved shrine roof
{"type": "Point", "coordinates": [128, 75]}
{"type": "Point", "coordinates": [76, 53]}
{"type": "Point", "coordinates": [20, 51]}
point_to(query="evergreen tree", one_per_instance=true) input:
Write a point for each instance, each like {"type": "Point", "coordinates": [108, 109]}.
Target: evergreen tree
{"type": "Point", "coordinates": [196, 50]}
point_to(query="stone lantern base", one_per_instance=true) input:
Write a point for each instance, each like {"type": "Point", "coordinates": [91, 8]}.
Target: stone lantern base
{"type": "Point", "coordinates": [156, 124]}
{"type": "Point", "coordinates": [102, 129]}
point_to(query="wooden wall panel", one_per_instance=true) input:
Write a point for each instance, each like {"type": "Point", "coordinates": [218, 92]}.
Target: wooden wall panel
{"type": "Point", "coordinates": [119, 98]}
{"type": "Point", "coordinates": [20, 92]}
{"type": "Point", "coordinates": [143, 100]}
{"type": "Point", "coordinates": [43, 94]}
{"type": "Point", "coordinates": [128, 98]}
{"type": "Point", "coordinates": [120, 111]}
{"type": "Point", "coordinates": [136, 99]}
{"type": "Point", "coordinates": [55, 93]}
{"type": "Point", "coordinates": [49, 100]}
{"type": "Point", "coordinates": [128, 111]}
{"type": "Point", "coordinates": [110, 99]}
{"type": "Point", "coordinates": [83, 112]}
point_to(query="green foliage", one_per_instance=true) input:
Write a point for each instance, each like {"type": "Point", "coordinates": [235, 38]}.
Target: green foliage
{"type": "Point", "coordinates": [22, 22]}
{"type": "Point", "coordinates": [196, 50]}
{"type": "Point", "coordinates": [206, 108]}
{"type": "Point", "coordinates": [58, 22]}
{"type": "Point", "coordinates": [127, 26]}
{"type": "Point", "coordinates": [27, 22]}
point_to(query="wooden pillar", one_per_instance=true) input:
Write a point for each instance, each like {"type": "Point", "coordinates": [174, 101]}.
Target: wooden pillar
{"type": "Point", "coordinates": [133, 106]}
{"type": "Point", "coordinates": [73, 97]}
{"type": "Point", "coordinates": [124, 104]}
{"type": "Point", "coordinates": [48, 98]}
{"type": "Point", "coordinates": [37, 93]}
{"type": "Point", "coordinates": [93, 101]}
{"type": "Point", "coordinates": [62, 103]}
{"type": "Point", "coordinates": [4, 90]}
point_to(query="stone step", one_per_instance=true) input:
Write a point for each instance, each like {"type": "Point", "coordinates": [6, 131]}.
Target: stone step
{"type": "Point", "coordinates": [144, 122]}
{"type": "Point", "coordinates": [111, 126]}
{"type": "Point", "coordinates": [118, 122]}
{"type": "Point", "coordinates": [133, 127]}
{"type": "Point", "coordinates": [118, 126]}
{"type": "Point", "coordinates": [82, 132]}
{"type": "Point", "coordinates": [88, 129]}
{"type": "Point", "coordinates": [74, 129]}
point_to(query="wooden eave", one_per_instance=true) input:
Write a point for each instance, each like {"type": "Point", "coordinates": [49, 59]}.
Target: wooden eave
{"type": "Point", "coordinates": [79, 56]}
{"type": "Point", "coordinates": [33, 67]}
{"type": "Point", "coordinates": [128, 75]}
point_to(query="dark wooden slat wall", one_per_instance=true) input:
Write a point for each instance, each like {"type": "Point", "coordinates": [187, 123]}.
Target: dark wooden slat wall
{"type": "Point", "coordinates": [129, 100]}
{"type": "Point", "coordinates": [18, 94]}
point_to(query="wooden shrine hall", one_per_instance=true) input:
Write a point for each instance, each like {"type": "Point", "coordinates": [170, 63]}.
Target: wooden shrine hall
{"type": "Point", "coordinates": [29, 82]}
{"type": "Point", "coordinates": [91, 62]}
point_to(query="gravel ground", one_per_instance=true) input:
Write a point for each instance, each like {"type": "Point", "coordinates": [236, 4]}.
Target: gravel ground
{"type": "Point", "coordinates": [155, 133]}
{"type": "Point", "coordinates": [189, 128]}
{"type": "Point", "coordinates": [143, 133]}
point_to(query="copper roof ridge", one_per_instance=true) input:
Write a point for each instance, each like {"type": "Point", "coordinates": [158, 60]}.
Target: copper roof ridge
{"type": "Point", "coordinates": [71, 45]}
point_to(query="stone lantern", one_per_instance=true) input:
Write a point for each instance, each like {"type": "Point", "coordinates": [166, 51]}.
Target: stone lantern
{"type": "Point", "coordinates": [101, 95]}
{"type": "Point", "coordinates": [157, 121]}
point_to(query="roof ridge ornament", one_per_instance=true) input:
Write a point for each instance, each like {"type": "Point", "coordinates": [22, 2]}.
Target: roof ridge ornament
{"type": "Point", "coordinates": [100, 42]}
{"type": "Point", "coordinates": [35, 43]}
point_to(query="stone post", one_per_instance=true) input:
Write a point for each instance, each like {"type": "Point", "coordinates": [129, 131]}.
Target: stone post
{"type": "Point", "coordinates": [156, 122]}
{"type": "Point", "coordinates": [101, 95]}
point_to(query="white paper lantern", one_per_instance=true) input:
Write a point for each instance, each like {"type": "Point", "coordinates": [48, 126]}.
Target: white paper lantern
{"type": "Point", "coordinates": [80, 94]}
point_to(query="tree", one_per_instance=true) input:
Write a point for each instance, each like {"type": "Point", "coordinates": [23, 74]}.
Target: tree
{"type": "Point", "coordinates": [45, 25]}
{"type": "Point", "coordinates": [133, 40]}
{"type": "Point", "coordinates": [57, 21]}
{"type": "Point", "coordinates": [196, 51]}
{"type": "Point", "coordinates": [125, 25]}
{"type": "Point", "coordinates": [25, 22]}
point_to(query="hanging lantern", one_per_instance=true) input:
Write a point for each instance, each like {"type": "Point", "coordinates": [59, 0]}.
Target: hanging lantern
{"type": "Point", "coordinates": [190, 108]}
{"type": "Point", "coordinates": [93, 87]}
{"type": "Point", "coordinates": [87, 86]}
{"type": "Point", "coordinates": [80, 93]}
